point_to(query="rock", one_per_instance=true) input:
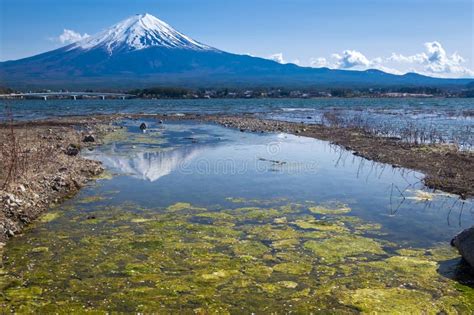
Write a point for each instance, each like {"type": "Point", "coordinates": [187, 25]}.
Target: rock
{"type": "Point", "coordinates": [160, 121]}
{"type": "Point", "coordinates": [464, 242]}
{"type": "Point", "coordinates": [143, 126]}
{"type": "Point", "coordinates": [309, 117]}
{"type": "Point", "coordinates": [72, 150]}
{"type": "Point", "coordinates": [89, 138]}
{"type": "Point", "coordinates": [58, 183]}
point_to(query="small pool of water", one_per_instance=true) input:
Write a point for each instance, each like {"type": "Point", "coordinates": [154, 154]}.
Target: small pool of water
{"type": "Point", "coordinates": [199, 218]}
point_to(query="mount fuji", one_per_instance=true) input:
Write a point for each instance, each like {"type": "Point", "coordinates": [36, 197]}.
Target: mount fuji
{"type": "Point", "coordinates": [144, 51]}
{"type": "Point", "coordinates": [139, 32]}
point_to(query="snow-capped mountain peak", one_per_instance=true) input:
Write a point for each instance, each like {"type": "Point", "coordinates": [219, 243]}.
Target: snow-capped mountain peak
{"type": "Point", "coordinates": [138, 32]}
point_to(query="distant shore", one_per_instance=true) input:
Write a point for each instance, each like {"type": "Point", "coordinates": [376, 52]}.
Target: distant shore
{"type": "Point", "coordinates": [251, 92]}
{"type": "Point", "coordinates": [60, 171]}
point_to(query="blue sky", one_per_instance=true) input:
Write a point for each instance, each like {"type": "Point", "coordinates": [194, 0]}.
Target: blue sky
{"type": "Point", "coordinates": [393, 35]}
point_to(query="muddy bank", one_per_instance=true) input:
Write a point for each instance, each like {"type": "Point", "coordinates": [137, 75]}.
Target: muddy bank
{"type": "Point", "coordinates": [40, 166]}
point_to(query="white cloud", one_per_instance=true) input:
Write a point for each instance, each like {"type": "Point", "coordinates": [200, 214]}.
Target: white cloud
{"type": "Point", "coordinates": [70, 36]}
{"type": "Point", "coordinates": [434, 61]}
{"type": "Point", "coordinates": [281, 59]}
{"type": "Point", "coordinates": [407, 59]}
{"type": "Point", "coordinates": [351, 59]}
{"type": "Point", "coordinates": [277, 57]}
{"type": "Point", "coordinates": [319, 62]}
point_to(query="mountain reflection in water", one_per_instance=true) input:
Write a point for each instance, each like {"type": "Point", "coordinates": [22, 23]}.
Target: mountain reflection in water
{"type": "Point", "coordinates": [149, 165]}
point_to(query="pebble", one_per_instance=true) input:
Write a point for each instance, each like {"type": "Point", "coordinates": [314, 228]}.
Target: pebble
{"type": "Point", "coordinates": [88, 138]}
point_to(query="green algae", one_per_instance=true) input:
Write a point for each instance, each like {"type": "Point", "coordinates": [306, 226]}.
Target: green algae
{"type": "Point", "coordinates": [22, 293]}
{"type": "Point", "coordinates": [218, 275]}
{"type": "Point", "coordinates": [281, 220]}
{"type": "Point", "coordinates": [184, 258]}
{"type": "Point", "coordinates": [258, 271]}
{"type": "Point", "coordinates": [259, 202]}
{"type": "Point", "coordinates": [254, 213]}
{"type": "Point", "coordinates": [313, 224]}
{"type": "Point", "coordinates": [270, 232]}
{"type": "Point", "coordinates": [272, 288]}
{"type": "Point", "coordinates": [125, 137]}
{"type": "Point", "coordinates": [293, 268]}
{"type": "Point", "coordinates": [334, 208]}
{"type": "Point", "coordinates": [342, 247]}
{"type": "Point", "coordinates": [250, 248]}
{"type": "Point", "coordinates": [105, 175]}
{"type": "Point", "coordinates": [288, 284]}
{"type": "Point", "coordinates": [50, 216]}
{"type": "Point", "coordinates": [285, 243]}
{"type": "Point", "coordinates": [393, 300]}
{"type": "Point", "coordinates": [181, 206]}
{"type": "Point", "coordinates": [91, 199]}
{"type": "Point", "coordinates": [40, 249]}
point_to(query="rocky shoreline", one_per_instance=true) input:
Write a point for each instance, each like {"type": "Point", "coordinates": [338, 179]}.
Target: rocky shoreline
{"type": "Point", "coordinates": [50, 169]}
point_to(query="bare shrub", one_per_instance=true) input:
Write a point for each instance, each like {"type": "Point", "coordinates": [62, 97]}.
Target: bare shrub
{"type": "Point", "coordinates": [21, 155]}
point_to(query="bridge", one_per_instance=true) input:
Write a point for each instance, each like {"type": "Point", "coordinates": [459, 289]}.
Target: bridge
{"type": "Point", "coordinates": [72, 95]}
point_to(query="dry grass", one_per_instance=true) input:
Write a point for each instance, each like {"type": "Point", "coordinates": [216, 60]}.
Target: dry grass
{"type": "Point", "coordinates": [405, 131]}
{"type": "Point", "coordinates": [20, 154]}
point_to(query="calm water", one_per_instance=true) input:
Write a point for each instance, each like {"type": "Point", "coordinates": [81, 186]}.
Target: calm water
{"type": "Point", "coordinates": [452, 119]}
{"type": "Point", "coordinates": [197, 218]}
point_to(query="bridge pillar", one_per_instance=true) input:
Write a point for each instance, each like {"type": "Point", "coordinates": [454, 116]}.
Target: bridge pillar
{"type": "Point", "coordinates": [74, 97]}
{"type": "Point", "coordinates": [103, 97]}
{"type": "Point", "coordinates": [123, 97]}
{"type": "Point", "coordinates": [45, 98]}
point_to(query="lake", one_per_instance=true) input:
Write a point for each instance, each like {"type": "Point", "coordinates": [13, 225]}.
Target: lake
{"type": "Point", "coordinates": [452, 119]}
{"type": "Point", "coordinates": [197, 218]}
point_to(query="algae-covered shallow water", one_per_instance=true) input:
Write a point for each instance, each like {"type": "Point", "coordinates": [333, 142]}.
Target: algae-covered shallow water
{"type": "Point", "coordinates": [197, 218]}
